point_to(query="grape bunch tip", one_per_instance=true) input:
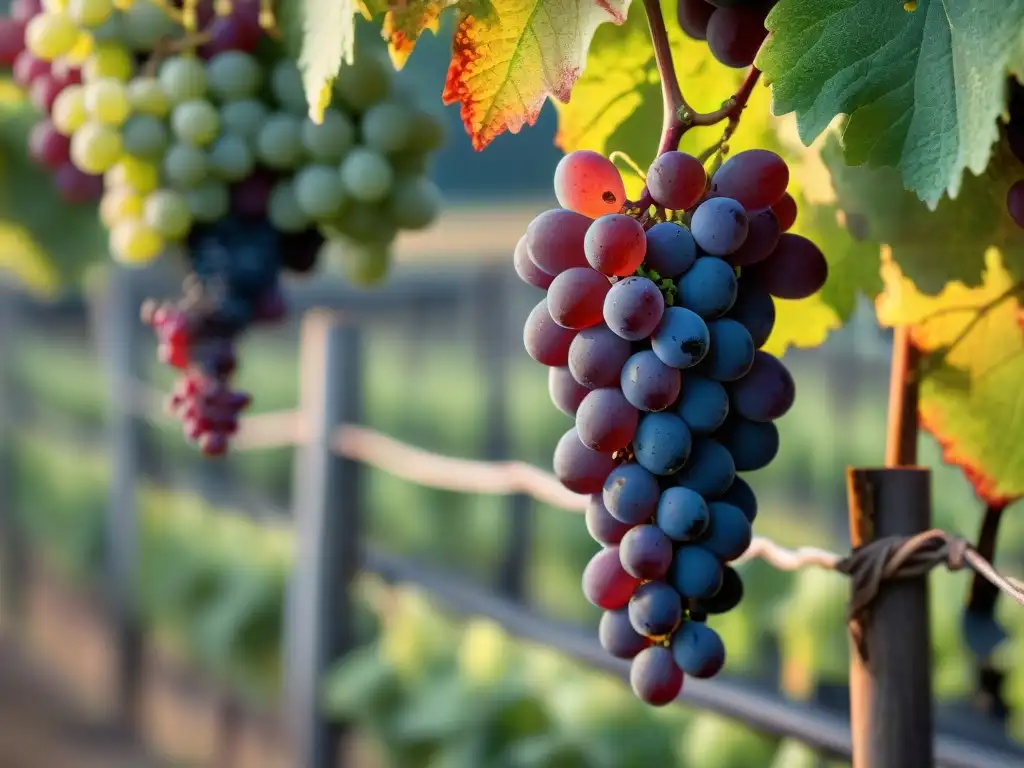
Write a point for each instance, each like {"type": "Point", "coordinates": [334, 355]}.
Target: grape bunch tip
{"type": "Point", "coordinates": [188, 137]}
{"type": "Point", "coordinates": [652, 333]}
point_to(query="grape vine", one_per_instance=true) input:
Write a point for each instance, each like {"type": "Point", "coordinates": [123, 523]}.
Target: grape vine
{"type": "Point", "coordinates": [188, 123]}
{"type": "Point", "coordinates": [652, 323]}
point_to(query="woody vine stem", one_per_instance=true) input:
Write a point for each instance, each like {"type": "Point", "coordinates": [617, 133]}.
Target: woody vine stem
{"type": "Point", "coordinates": [679, 116]}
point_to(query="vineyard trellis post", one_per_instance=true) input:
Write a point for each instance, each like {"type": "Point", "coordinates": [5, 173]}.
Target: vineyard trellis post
{"type": "Point", "coordinates": [891, 719]}
{"type": "Point", "coordinates": [321, 615]}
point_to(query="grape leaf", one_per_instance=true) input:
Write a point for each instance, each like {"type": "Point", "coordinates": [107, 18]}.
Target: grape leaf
{"type": "Point", "coordinates": [509, 56]}
{"type": "Point", "coordinates": [923, 89]}
{"type": "Point", "coordinates": [405, 21]}
{"type": "Point", "coordinates": [323, 34]}
{"type": "Point", "coordinates": [932, 248]}
{"type": "Point", "coordinates": [971, 398]}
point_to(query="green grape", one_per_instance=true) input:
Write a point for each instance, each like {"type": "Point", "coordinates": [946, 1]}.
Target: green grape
{"type": "Point", "coordinates": [209, 201]}
{"type": "Point", "coordinates": [145, 136]}
{"type": "Point", "coordinates": [146, 96]}
{"type": "Point", "coordinates": [107, 101]}
{"type": "Point", "coordinates": [366, 175]}
{"type": "Point", "coordinates": [286, 86]}
{"type": "Point", "coordinates": [196, 122]}
{"type": "Point", "coordinates": [68, 113]}
{"type": "Point", "coordinates": [133, 173]}
{"type": "Point", "coordinates": [366, 263]}
{"type": "Point", "coordinates": [410, 163]}
{"type": "Point", "coordinates": [118, 204]}
{"type": "Point", "coordinates": [183, 78]}
{"type": "Point", "coordinates": [81, 51]}
{"type": "Point", "coordinates": [144, 24]}
{"type": "Point", "coordinates": [90, 13]}
{"type": "Point", "coordinates": [166, 212]}
{"type": "Point", "coordinates": [243, 118]}
{"type": "Point", "coordinates": [284, 211]}
{"type": "Point", "coordinates": [49, 35]}
{"type": "Point", "coordinates": [231, 158]}
{"type": "Point", "coordinates": [95, 147]}
{"type": "Point", "coordinates": [279, 143]}
{"type": "Point", "coordinates": [133, 242]}
{"type": "Point", "coordinates": [363, 83]}
{"type": "Point", "coordinates": [318, 192]}
{"type": "Point", "coordinates": [109, 31]}
{"type": "Point", "coordinates": [427, 131]}
{"type": "Point", "coordinates": [233, 75]}
{"type": "Point", "coordinates": [108, 60]}
{"type": "Point", "coordinates": [365, 223]}
{"type": "Point", "coordinates": [386, 127]}
{"type": "Point", "coordinates": [415, 202]}
{"type": "Point", "coordinates": [185, 166]}
{"type": "Point", "coordinates": [329, 141]}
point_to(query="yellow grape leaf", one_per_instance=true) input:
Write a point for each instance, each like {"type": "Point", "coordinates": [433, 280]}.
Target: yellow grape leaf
{"type": "Point", "coordinates": [328, 40]}
{"type": "Point", "coordinates": [23, 259]}
{"type": "Point", "coordinates": [405, 21]}
{"type": "Point", "coordinates": [509, 56]}
{"type": "Point", "coordinates": [971, 395]}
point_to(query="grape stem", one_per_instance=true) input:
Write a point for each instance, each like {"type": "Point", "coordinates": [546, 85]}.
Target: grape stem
{"type": "Point", "coordinates": [679, 116]}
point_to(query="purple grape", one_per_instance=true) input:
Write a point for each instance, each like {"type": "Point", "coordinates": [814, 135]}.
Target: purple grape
{"type": "Point", "coordinates": [605, 420]}
{"type": "Point", "coordinates": [576, 297]}
{"type": "Point", "coordinates": [529, 272]}
{"type": "Point", "coordinates": [566, 393]}
{"type": "Point", "coordinates": [602, 527]}
{"type": "Point", "coordinates": [577, 467]}
{"type": "Point", "coordinates": [615, 245]}
{"type": "Point", "coordinates": [703, 404]}
{"type": "Point", "coordinates": [1015, 203]}
{"type": "Point", "coordinates": [654, 676]}
{"type": "Point", "coordinates": [741, 495]}
{"type": "Point", "coordinates": [676, 180]}
{"type": "Point", "coordinates": [752, 444]}
{"type": "Point", "coordinates": [633, 308]}
{"type": "Point", "coordinates": [728, 596]}
{"type": "Point", "coordinates": [695, 572]}
{"type": "Point", "coordinates": [596, 356]}
{"type": "Point", "coordinates": [77, 187]}
{"type": "Point", "coordinates": [555, 240]}
{"type": "Point", "coordinates": [662, 443]}
{"type": "Point", "coordinates": [605, 583]}
{"type": "Point", "coordinates": [786, 210]}
{"type": "Point", "coordinates": [710, 470]}
{"type": "Point", "coordinates": [648, 383]}
{"type": "Point", "coordinates": [47, 146]}
{"type": "Point", "coordinates": [618, 637]}
{"type": "Point", "coordinates": [735, 35]}
{"type": "Point", "coordinates": [731, 352]}
{"type": "Point", "coordinates": [796, 268]}
{"type": "Point", "coordinates": [766, 393]}
{"type": "Point", "coordinates": [546, 341]}
{"type": "Point", "coordinates": [708, 288]}
{"type": "Point", "coordinates": [754, 310]}
{"type": "Point", "coordinates": [655, 609]}
{"type": "Point", "coordinates": [631, 494]}
{"type": "Point", "coordinates": [646, 552]}
{"type": "Point", "coordinates": [755, 178]}
{"type": "Point", "coordinates": [681, 339]}
{"type": "Point", "coordinates": [250, 196]}
{"type": "Point", "coordinates": [729, 534]}
{"type": "Point", "coordinates": [698, 650]}
{"type": "Point", "coordinates": [671, 249]}
{"type": "Point", "coordinates": [682, 514]}
{"type": "Point", "coordinates": [693, 16]}
{"type": "Point", "coordinates": [719, 225]}
{"type": "Point", "coordinates": [762, 237]}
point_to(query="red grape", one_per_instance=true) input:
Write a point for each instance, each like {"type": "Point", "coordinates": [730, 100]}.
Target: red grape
{"type": "Point", "coordinates": [555, 240]}
{"type": "Point", "coordinates": [76, 186]}
{"type": "Point", "coordinates": [605, 583]}
{"type": "Point", "coordinates": [566, 393]}
{"type": "Point", "coordinates": [633, 308]}
{"type": "Point", "coordinates": [529, 272]}
{"type": "Point", "coordinates": [576, 297]}
{"type": "Point", "coordinates": [605, 420]}
{"type": "Point", "coordinates": [1015, 203]}
{"type": "Point", "coordinates": [596, 356]}
{"type": "Point", "coordinates": [762, 237]}
{"type": "Point", "coordinates": [27, 68]}
{"type": "Point", "coordinates": [589, 183]}
{"type": "Point", "coordinates": [693, 16]}
{"type": "Point", "coordinates": [615, 245]}
{"type": "Point", "coordinates": [676, 180]}
{"type": "Point", "coordinates": [546, 341]}
{"type": "Point", "coordinates": [654, 676]}
{"type": "Point", "coordinates": [602, 527]}
{"type": "Point", "coordinates": [48, 147]}
{"type": "Point", "coordinates": [12, 41]}
{"type": "Point", "coordinates": [579, 468]}
{"type": "Point", "coordinates": [735, 35]}
{"type": "Point", "coordinates": [756, 178]}
{"type": "Point", "coordinates": [44, 91]}
{"type": "Point", "coordinates": [786, 211]}
{"type": "Point", "coordinates": [796, 268]}
{"type": "Point", "coordinates": [23, 10]}
{"type": "Point", "coordinates": [238, 32]}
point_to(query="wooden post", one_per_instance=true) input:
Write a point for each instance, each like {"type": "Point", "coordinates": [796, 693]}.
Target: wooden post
{"type": "Point", "coordinates": [13, 555]}
{"type": "Point", "coordinates": [118, 327]}
{"type": "Point", "coordinates": [492, 316]}
{"type": "Point", "coordinates": [891, 717]}
{"type": "Point", "coordinates": [320, 622]}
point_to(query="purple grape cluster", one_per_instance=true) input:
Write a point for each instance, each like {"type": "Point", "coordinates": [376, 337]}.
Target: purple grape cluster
{"type": "Point", "coordinates": [652, 331]}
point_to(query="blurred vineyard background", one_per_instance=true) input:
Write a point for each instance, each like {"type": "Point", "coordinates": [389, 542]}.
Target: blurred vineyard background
{"type": "Point", "coordinates": [444, 369]}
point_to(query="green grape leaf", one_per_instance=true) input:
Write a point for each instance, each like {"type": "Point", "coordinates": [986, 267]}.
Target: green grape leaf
{"type": "Point", "coordinates": [932, 248]}
{"type": "Point", "coordinates": [923, 89]}
{"type": "Point", "coordinates": [322, 34]}
{"type": "Point", "coordinates": [971, 398]}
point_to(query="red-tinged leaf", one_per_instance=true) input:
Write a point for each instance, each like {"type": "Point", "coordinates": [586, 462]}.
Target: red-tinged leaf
{"type": "Point", "coordinates": [508, 59]}
{"type": "Point", "coordinates": [406, 21]}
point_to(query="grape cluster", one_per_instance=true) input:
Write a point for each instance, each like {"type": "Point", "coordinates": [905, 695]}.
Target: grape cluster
{"type": "Point", "coordinates": [193, 126]}
{"type": "Point", "coordinates": [1015, 138]}
{"type": "Point", "coordinates": [652, 328]}
{"type": "Point", "coordinates": [734, 29]}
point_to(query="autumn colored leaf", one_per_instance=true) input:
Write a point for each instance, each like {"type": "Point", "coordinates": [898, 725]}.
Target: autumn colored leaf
{"type": "Point", "coordinates": [405, 21]}
{"type": "Point", "coordinates": [509, 57]}
{"type": "Point", "coordinates": [971, 398]}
